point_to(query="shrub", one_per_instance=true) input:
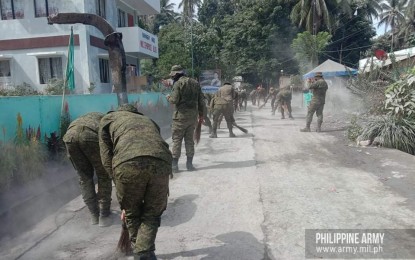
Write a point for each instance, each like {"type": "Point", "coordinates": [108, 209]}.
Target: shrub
{"type": "Point", "coordinates": [20, 90]}
{"type": "Point", "coordinates": [55, 87]}
{"type": "Point", "coordinates": [392, 132]}
{"type": "Point", "coordinates": [354, 130]}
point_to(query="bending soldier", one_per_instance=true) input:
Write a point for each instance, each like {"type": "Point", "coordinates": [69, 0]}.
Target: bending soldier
{"type": "Point", "coordinates": [284, 100]}
{"type": "Point", "coordinates": [222, 103]}
{"type": "Point", "coordinates": [82, 145]}
{"type": "Point", "coordinates": [135, 154]}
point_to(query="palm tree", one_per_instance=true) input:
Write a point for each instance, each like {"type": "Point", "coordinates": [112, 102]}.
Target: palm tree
{"type": "Point", "coordinates": [313, 14]}
{"type": "Point", "coordinates": [392, 15]}
{"type": "Point", "coordinates": [167, 15]}
{"type": "Point", "coordinates": [370, 8]}
{"type": "Point", "coordinates": [189, 8]}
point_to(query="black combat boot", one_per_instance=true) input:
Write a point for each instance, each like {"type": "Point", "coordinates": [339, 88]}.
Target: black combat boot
{"type": "Point", "coordinates": [175, 165]}
{"type": "Point", "coordinates": [104, 216]}
{"type": "Point", "coordinates": [231, 134]}
{"type": "Point", "coordinates": [319, 123]}
{"type": "Point", "coordinates": [145, 256]}
{"type": "Point", "coordinates": [213, 133]}
{"type": "Point", "coordinates": [189, 164]}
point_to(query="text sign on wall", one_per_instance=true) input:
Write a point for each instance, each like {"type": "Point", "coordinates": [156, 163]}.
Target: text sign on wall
{"type": "Point", "coordinates": [148, 42]}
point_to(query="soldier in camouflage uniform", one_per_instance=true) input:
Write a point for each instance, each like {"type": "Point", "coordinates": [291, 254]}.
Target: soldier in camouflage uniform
{"type": "Point", "coordinates": [319, 88]}
{"type": "Point", "coordinates": [273, 96]}
{"type": "Point", "coordinates": [188, 99]}
{"type": "Point", "coordinates": [139, 160]}
{"type": "Point", "coordinates": [243, 96]}
{"type": "Point", "coordinates": [222, 103]}
{"type": "Point", "coordinates": [284, 97]}
{"type": "Point", "coordinates": [81, 141]}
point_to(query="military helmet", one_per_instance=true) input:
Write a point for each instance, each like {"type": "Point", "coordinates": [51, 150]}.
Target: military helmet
{"type": "Point", "coordinates": [176, 69]}
{"type": "Point", "coordinates": [127, 107]}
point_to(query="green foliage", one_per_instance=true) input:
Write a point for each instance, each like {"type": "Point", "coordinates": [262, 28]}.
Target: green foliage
{"type": "Point", "coordinates": [307, 48]}
{"type": "Point", "coordinates": [21, 163]}
{"type": "Point", "coordinates": [400, 97]}
{"type": "Point", "coordinates": [392, 132]}
{"type": "Point", "coordinates": [20, 90]}
{"type": "Point", "coordinates": [354, 130]}
{"type": "Point", "coordinates": [55, 87]}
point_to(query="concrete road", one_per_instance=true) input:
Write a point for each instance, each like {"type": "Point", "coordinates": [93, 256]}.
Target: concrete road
{"type": "Point", "coordinates": [252, 198]}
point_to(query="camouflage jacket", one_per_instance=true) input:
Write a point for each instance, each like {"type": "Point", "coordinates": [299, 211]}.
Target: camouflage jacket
{"type": "Point", "coordinates": [88, 124]}
{"type": "Point", "coordinates": [284, 95]}
{"type": "Point", "coordinates": [188, 98]}
{"type": "Point", "coordinates": [126, 135]}
{"type": "Point", "coordinates": [227, 92]}
{"type": "Point", "coordinates": [319, 91]}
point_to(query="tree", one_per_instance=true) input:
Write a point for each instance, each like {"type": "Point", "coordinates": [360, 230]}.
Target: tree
{"type": "Point", "coordinates": [307, 48]}
{"type": "Point", "coordinates": [189, 8]}
{"type": "Point", "coordinates": [392, 15]}
{"type": "Point", "coordinates": [368, 8]}
{"type": "Point", "coordinates": [313, 15]}
{"type": "Point", "coordinates": [166, 16]}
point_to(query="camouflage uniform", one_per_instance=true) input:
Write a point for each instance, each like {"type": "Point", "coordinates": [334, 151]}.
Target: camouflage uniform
{"type": "Point", "coordinates": [319, 88]}
{"type": "Point", "coordinates": [253, 96]}
{"type": "Point", "coordinates": [284, 101]}
{"type": "Point", "coordinates": [243, 99]}
{"type": "Point", "coordinates": [81, 141]}
{"type": "Point", "coordinates": [139, 160]}
{"type": "Point", "coordinates": [222, 103]}
{"type": "Point", "coordinates": [273, 96]}
{"type": "Point", "coordinates": [206, 119]}
{"type": "Point", "coordinates": [188, 99]}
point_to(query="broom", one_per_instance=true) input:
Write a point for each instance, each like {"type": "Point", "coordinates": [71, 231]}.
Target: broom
{"type": "Point", "coordinates": [240, 127]}
{"type": "Point", "coordinates": [198, 130]}
{"type": "Point", "coordinates": [124, 243]}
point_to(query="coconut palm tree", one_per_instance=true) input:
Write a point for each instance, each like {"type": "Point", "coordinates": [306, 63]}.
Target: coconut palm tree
{"type": "Point", "coordinates": [189, 8]}
{"type": "Point", "coordinates": [314, 14]}
{"type": "Point", "coordinates": [392, 15]}
{"type": "Point", "coordinates": [370, 8]}
{"type": "Point", "coordinates": [167, 15]}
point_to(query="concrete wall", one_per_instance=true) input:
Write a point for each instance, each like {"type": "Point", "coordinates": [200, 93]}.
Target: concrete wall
{"type": "Point", "coordinates": [44, 111]}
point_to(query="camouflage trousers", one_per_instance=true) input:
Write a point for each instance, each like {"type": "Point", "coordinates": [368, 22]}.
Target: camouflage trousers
{"type": "Point", "coordinates": [86, 158]}
{"type": "Point", "coordinates": [227, 111]}
{"type": "Point", "coordinates": [183, 130]}
{"type": "Point", "coordinates": [142, 188]}
{"type": "Point", "coordinates": [315, 108]}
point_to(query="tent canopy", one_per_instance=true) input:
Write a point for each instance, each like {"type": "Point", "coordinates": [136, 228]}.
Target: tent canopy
{"type": "Point", "coordinates": [331, 68]}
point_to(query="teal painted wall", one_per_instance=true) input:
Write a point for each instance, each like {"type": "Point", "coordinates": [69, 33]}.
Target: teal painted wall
{"type": "Point", "coordinates": [44, 111]}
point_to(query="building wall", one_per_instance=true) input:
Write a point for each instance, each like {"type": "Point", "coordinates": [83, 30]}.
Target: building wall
{"type": "Point", "coordinates": [24, 68]}
{"type": "Point", "coordinates": [43, 112]}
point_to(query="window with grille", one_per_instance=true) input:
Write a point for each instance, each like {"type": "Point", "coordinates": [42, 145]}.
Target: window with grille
{"type": "Point", "coordinates": [50, 68]}
{"type": "Point", "coordinates": [12, 9]}
{"type": "Point", "coordinates": [5, 68]}
{"type": "Point", "coordinates": [100, 8]}
{"type": "Point", "coordinates": [121, 18]}
{"type": "Point", "coordinates": [44, 8]}
{"type": "Point", "coordinates": [104, 72]}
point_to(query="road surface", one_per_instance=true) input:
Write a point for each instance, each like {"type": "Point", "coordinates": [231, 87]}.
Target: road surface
{"type": "Point", "coordinates": [252, 197]}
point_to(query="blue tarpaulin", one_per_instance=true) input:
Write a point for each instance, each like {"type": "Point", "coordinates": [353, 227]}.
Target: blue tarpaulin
{"type": "Point", "coordinates": [330, 69]}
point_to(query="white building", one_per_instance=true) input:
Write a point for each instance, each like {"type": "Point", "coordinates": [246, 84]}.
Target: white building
{"type": "Point", "coordinates": [33, 52]}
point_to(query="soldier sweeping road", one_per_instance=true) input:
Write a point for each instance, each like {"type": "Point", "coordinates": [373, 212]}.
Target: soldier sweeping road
{"type": "Point", "coordinates": [284, 97]}
{"type": "Point", "coordinates": [188, 99]}
{"type": "Point", "coordinates": [319, 88]}
{"type": "Point", "coordinates": [81, 141]}
{"type": "Point", "coordinates": [222, 103]}
{"type": "Point", "coordinates": [135, 154]}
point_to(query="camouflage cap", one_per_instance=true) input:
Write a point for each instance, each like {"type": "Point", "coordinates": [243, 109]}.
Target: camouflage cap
{"type": "Point", "coordinates": [176, 69]}
{"type": "Point", "coordinates": [318, 75]}
{"type": "Point", "coordinates": [127, 107]}
{"type": "Point", "coordinates": [227, 82]}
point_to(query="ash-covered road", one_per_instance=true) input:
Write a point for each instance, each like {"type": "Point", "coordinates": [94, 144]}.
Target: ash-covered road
{"type": "Point", "coordinates": [252, 198]}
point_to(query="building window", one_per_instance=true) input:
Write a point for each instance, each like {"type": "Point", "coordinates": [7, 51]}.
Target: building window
{"type": "Point", "coordinates": [50, 68]}
{"type": "Point", "coordinates": [5, 68]}
{"type": "Point", "coordinates": [100, 6]}
{"type": "Point", "coordinates": [104, 72]}
{"type": "Point", "coordinates": [44, 8]}
{"type": "Point", "coordinates": [12, 9]}
{"type": "Point", "coordinates": [121, 18]}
